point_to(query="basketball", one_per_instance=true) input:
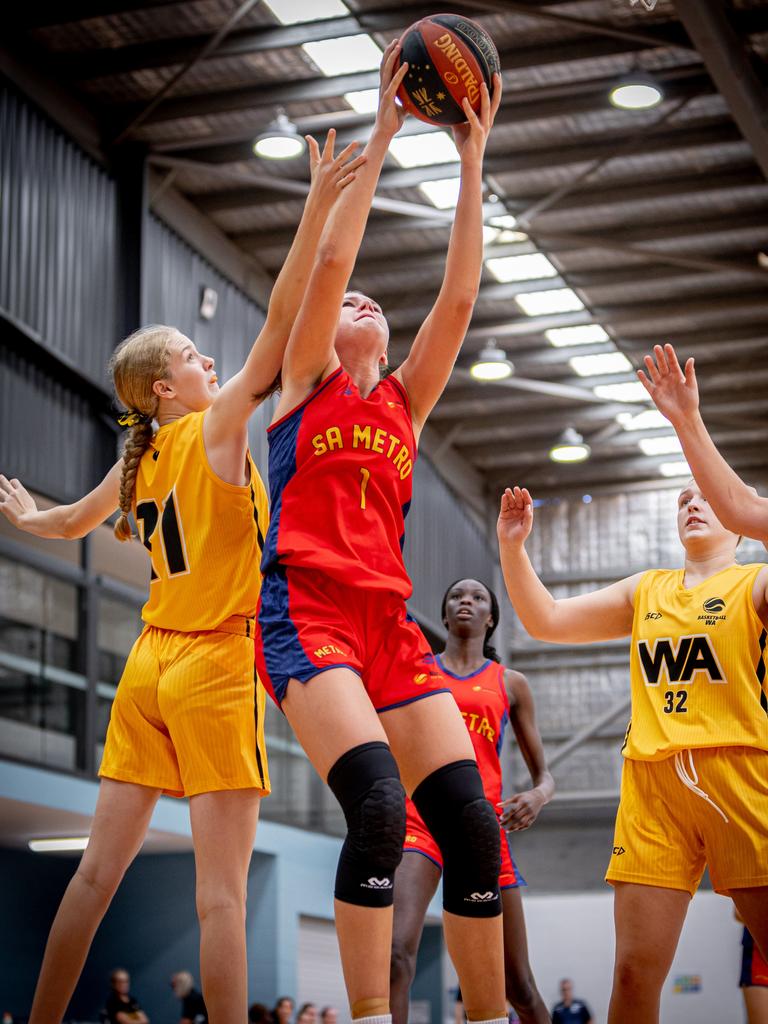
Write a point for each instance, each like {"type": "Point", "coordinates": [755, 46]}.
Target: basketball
{"type": "Point", "coordinates": [449, 57]}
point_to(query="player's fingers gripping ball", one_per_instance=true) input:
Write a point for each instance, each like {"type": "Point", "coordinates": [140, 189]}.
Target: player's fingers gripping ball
{"type": "Point", "coordinates": [449, 57]}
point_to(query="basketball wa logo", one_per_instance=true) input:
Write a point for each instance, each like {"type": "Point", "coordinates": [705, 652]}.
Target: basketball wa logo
{"type": "Point", "coordinates": [681, 661]}
{"type": "Point", "coordinates": [647, 4]}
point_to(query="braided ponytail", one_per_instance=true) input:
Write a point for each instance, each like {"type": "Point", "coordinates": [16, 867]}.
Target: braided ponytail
{"type": "Point", "coordinates": [137, 363]}
{"type": "Point", "coordinates": [136, 443]}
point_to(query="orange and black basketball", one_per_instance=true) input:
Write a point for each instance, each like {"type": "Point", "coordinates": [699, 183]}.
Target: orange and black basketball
{"type": "Point", "coordinates": [449, 57]}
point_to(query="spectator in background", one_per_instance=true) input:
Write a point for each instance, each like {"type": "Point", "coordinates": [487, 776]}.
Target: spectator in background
{"type": "Point", "coordinates": [329, 1015]}
{"type": "Point", "coordinates": [307, 1014]}
{"type": "Point", "coordinates": [258, 1013]}
{"type": "Point", "coordinates": [570, 1010]}
{"type": "Point", "coordinates": [121, 1007]}
{"type": "Point", "coordinates": [283, 1010]}
{"type": "Point", "coordinates": [193, 1009]}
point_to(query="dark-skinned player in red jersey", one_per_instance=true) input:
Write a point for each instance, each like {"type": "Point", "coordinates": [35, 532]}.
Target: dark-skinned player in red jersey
{"type": "Point", "coordinates": [489, 697]}
{"type": "Point", "coordinates": [335, 646]}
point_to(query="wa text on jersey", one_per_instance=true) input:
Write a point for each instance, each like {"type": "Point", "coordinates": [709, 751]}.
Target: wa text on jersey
{"type": "Point", "coordinates": [681, 661]}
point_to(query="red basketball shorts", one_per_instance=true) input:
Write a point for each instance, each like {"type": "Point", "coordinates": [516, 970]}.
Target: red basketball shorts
{"type": "Point", "coordinates": [308, 623]}
{"type": "Point", "coordinates": [418, 839]}
{"type": "Point", "coordinates": [754, 969]}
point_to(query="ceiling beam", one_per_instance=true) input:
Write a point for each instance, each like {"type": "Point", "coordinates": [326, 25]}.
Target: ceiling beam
{"type": "Point", "coordinates": [743, 174]}
{"type": "Point", "coordinates": [636, 240]}
{"type": "Point", "coordinates": [274, 94]}
{"type": "Point", "coordinates": [162, 53]}
{"type": "Point", "coordinates": [44, 13]}
{"type": "Point", "coordinates": [482, 403]}
{"type": "Point", "coordinates": [708, 132]}
{"type": "Point", "coordinates": [622, 445]}
{"type": "Point", "coordinates": [491, 430]}
{"type": "Point", "coordinates": [517, 107]}
{"type": "Point", "coordinates": [300, 189]}
{"type": "Point", "coordinates": [398, 294]}
{"type": "Point", "coordinates": [708, 23]}
{"type": "Point", "coordinates": [749, 303]}
{"type": "Point", "coordinates": [707, 346]}
{"type": "Point", "coordinates": [241, 198]}
{"type": "Point", "coordinates": [549, 478]}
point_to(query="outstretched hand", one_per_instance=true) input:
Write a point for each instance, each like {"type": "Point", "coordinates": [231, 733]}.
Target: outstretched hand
{"type": "Point", "coordinates": [674, 391]}
{"type": "Point", "coordinates": [15, 501]}
{"type": "Point", "coordinates": [331, 174]}
{"type": "Point", "coordinates": [471, 136]}
{"type": "Point", "coordinates": [515, 516]}
{"type": "Point", "coordinates": [390, 115]}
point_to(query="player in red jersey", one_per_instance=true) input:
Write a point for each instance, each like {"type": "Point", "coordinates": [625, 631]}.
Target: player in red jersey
{"type": "Point", "coordinates": [335, 644]}
{"type": "Point", "coordinates": [489, 696]}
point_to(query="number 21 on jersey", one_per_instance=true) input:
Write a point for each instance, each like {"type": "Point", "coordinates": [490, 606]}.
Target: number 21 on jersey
{"type": "Point", "coordinates": [171, 533]}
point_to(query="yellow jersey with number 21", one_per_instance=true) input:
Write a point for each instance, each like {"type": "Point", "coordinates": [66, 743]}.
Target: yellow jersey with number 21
{"type": "Point", "coordinates": [204, 535]}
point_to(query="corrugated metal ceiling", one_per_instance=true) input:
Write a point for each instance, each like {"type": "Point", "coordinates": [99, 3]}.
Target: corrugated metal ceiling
{"type": "Point", "coordinates": [647, 194]}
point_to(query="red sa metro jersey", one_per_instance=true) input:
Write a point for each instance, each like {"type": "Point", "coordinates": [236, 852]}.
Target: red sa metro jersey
{"type": "Point", "coordinates": [340, 472]}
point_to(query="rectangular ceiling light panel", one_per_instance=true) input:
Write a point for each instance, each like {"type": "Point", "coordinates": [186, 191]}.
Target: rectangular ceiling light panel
{"type": "Point", "coordinates": [344, 56]}
{"type": "Point", "coordinates": [291, 12]}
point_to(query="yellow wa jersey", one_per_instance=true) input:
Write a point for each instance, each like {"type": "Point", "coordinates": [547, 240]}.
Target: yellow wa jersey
{"type": "Point", "coordinates": [204, 536]}
{"type": "Point", "coordinates": [697, 665]}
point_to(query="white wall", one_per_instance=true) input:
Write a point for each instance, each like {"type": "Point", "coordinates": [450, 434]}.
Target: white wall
{"type": "Point", "coordinates": [572, 935]}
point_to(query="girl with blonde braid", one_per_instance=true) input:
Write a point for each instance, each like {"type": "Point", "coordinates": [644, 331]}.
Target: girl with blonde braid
{"type": "Point", "coordinates": [183, 718]}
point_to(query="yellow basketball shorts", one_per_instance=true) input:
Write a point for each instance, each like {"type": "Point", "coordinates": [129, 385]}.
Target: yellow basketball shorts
{"type": "Point", "coordinates": [706, 806]}
{"type": "Point", "coordinates": [188, 716]}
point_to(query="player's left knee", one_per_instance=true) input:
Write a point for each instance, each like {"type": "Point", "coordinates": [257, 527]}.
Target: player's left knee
{"type": "Point", "coordinates": [452, 803]}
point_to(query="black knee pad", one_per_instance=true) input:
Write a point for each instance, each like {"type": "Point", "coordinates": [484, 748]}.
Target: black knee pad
{"type": "Point", "coordinates": [453, 805]}
{"type": "Point", "coordinates": [367, 784]}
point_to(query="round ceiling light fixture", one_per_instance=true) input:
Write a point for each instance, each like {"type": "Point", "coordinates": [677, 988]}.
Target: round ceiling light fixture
{"type": "Point", "coordinates": [280, 140]}
{"type": "Point", "coordinates": [570, 447]}
{"type": "Point", "coordinates": [636, 92]}
{"type": "Point", "coordinates": [491, 364]}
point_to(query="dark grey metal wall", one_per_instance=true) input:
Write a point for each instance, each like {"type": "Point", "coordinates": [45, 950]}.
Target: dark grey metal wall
{"type": "Point", "coordinates": [442, 543]}
{"type": "Point", "coordinates": [173, 281]}
{"type": "Point", "coordinates": [58, 256]}
{"type": "Point", "coordinates": [49, 437]}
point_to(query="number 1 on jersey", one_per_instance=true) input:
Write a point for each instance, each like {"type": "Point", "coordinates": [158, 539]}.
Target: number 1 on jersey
{"type": "Point", "coordinates": [363, 484]}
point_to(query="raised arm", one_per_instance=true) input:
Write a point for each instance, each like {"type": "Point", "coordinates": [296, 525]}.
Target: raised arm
{"type": "Point", "coordinates": [522, 809]}
{"type": "Point", "coordinates": [601, 615]}
{"type": "Point", "coordinates": [310, 354]}
{"type": "Point", "coordinates": [676, 395]}
{"type": "Point", "coordinates": [228, 417]}
{"type": "Point", "coordinates": [67, 522]}
{"type": "Point", "coordinates": [425, 372]}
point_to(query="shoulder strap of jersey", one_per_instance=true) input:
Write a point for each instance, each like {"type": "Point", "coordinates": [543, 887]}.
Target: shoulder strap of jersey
{"type": "Point", "coordinates": [500, 678]}
{"type": "Point", "coordinates": [321, 386]}
{"type": "Point", "coordinates": [392, 381]}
